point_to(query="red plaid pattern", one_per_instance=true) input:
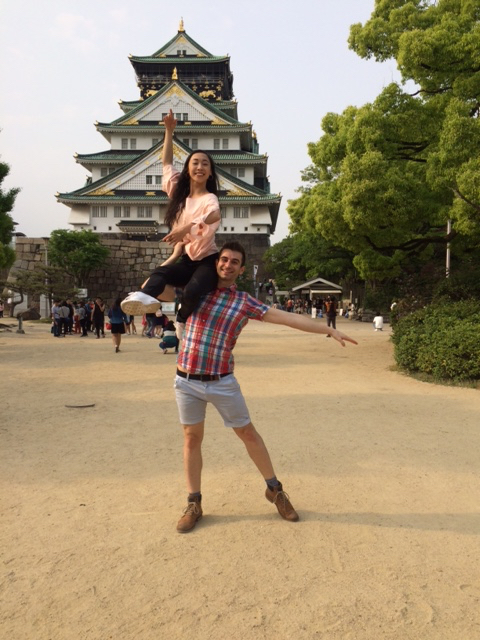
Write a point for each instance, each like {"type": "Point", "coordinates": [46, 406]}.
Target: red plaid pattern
{"type": "Point", "coordinates": [213, 329]}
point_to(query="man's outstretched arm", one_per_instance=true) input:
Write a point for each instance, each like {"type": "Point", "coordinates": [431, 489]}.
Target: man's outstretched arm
{"type": "Point", "coordinates": [302, 323]}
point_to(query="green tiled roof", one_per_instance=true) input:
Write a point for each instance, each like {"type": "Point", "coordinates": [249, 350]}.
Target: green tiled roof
{"type": "Point", "coordinates": [156, 128]}
{"type": "Point", "coordinates": [84, 193]}
{"type": "Point", "coordinates": [211, 107]}
{"type": "Point", "coordinates": [101, 157]}
{"type": "Point", "coordinates": [76, 198]}
{"type": "Point", "coordinates": [187, 37]}
{"type": "Point", "coordinates": [120, 156]}
{"type": "Point", "coordinates": [178, 60]}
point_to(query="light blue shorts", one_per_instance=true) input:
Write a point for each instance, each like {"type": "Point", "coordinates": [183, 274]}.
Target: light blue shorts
{"type": "Point", "coordinates": [225, 395]}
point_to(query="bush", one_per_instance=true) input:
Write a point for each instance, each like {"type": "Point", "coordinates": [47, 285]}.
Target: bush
{"type": "Point", "coordinates": [440, 340]}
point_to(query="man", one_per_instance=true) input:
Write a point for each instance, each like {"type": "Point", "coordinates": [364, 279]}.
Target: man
{"type": "Point", "coordinates": [205, 374]}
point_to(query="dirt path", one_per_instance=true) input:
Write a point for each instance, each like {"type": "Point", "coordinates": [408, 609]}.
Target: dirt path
{"type": "Point", "coordinates": [383, 470]}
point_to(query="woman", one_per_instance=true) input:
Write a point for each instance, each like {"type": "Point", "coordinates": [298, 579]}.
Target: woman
{"type": "Point", "coordinates": [193, 216]}
{"type": "Point", "coordinates": [117, 321]}
{"type": "Point", "coordinates": [98, 317]}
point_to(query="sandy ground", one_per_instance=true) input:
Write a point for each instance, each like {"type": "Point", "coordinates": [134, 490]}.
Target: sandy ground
{"type": "Point", "coordinates": [382, 469]}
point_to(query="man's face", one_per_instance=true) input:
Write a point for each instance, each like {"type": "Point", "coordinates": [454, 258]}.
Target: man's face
{"type": "Point", "coordinates": [229, 267]}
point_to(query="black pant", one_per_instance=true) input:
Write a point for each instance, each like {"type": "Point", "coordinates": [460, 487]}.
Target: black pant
{"type": "Point", "coordinates": [198, 277]}
{"type": "Point", "coordinates": [332, 321]}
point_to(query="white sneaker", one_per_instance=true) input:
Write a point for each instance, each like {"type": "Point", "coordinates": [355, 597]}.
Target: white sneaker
{"type": "Point", "coordinates": [179, 330]}
{"type": "Point", "coordinates": [137, 303]}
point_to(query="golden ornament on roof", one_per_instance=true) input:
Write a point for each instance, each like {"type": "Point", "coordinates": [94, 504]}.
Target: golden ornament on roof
{"type": "Point", "coordinates": [174, 74]}
{"type": "Point", "coordinates": [180, 26]}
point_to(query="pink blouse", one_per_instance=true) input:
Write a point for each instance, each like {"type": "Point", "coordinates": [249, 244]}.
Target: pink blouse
{"type": "Point", "coordinates": [200, 242]}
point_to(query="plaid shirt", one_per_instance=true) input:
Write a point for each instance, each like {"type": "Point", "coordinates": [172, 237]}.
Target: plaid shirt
{"type": "Point", "coordinates": [213, 329]}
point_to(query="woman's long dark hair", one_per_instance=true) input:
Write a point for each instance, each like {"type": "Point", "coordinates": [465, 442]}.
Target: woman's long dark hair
{"type": "Point", "coordinates": [182, 190]}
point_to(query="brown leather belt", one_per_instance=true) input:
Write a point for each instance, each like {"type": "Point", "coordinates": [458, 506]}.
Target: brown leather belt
{"type": "Point", "coordinates": [203, 377]}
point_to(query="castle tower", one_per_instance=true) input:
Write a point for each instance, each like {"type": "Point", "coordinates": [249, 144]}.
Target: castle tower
{"type": "Point", "coordinates": [123, 192]}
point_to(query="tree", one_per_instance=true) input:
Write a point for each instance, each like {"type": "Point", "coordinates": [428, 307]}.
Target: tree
{"type": "Point", "coordinates": [44, 280]}
{"type": "Point", "coordinates": [7, 225]}
{"type": "Point", "coordinates": [387, 176]}
{"type": "Point", "coordinates": [304, 256]}
{"type": "Point", "coordinates": [77, 252]}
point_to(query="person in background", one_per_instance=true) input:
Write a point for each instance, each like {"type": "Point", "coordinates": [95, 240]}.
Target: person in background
{"type": "Point", "coordinates": [132, 324]}
{"type": "Point", "coordinates": [159, 323]}
{"type": "Point", "coordinates": [331, 312]}
{"type": "Point", "coordinates": [88, 315]}
{"type": "Point", "coordinates": [82, 317]}
{"type": "Point", "coordinates": [169, 338]}
{"type": "Point", "coordinates": [98, 317]}
{"type": "Point", "coordinates": [118, 319]}
{"type": "Point", "coordinates": [70, 319]}
{"type": "Point", "coordinates": [56, 318]}
{"type": "Point", "coordinates": [378, 322]}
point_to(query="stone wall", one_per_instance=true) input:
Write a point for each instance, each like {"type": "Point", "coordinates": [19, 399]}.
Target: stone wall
{"type": "Point", "coordinates": [131, 261]}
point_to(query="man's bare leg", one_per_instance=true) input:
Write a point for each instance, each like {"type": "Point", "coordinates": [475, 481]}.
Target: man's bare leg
{"type": "Point", "coordinates": [256, 449]}
{"type": "Point", "coordinates": [258, 452]}
{"type": "Point", "coordinates": [192, 462]}
{"type": "Point", "coordinates": [192, 455]}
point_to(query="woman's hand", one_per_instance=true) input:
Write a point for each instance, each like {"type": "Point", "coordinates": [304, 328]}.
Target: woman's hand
{"type": "Point", "coordinates": [177, 234]}
{"type": "Point", "coordinates": [169, 121]}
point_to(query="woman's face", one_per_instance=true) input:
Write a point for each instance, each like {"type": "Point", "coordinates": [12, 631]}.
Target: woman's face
{"type": "Point", "coordinates": [199, 168]}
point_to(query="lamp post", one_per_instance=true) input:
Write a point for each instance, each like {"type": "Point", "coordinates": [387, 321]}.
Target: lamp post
{"type": "Point", "coordinates": [447, 259]}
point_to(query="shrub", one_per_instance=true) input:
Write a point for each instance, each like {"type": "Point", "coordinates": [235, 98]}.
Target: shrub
{"type": "Point", "coordinates": [440, 340]}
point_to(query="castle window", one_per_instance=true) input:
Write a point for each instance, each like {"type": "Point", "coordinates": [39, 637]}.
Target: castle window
{"type": "Point", "coordinates": [225, 143]}
{"type": "Point", "coordinates": [246, 228]}
{"type": "Point", "coordinates": [240, 212]}
{"type": "Point", "coordinates": [216, 143]}
{"type": "Point", "coordinates": [99, 212]}
{"type": "Point", "coordinates": [155, 141]}
{"type": "Point", "coordinates": [124, 143]}
{"type": "Point", "coordinates": [133, 143]}
{"type": "Point", "coordinates": [144, 212]}
{"type": "Point", "coordinates": [185, 116]}
{"type": "Point", "coordinates": [104, 172]}
{"type": "Point", "coordinates": [117, 212]}
{"type": "Point", "coordinates": [223, 212]}
{"type": "Point", "coordinates": [186, 141]}
{"type": "Point", "coordinates": [153, 180]}
{"type": "Point", "coordinates": [238, 172]}
{"type": "Point", "coordinates": [194, 143]}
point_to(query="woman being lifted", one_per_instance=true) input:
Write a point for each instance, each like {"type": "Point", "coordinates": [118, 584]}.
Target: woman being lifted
{"type": "Point", "coordinates": [193, 216]}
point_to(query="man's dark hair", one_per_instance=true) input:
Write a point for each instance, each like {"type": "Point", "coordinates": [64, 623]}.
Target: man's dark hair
{"type": "Point", "coordinates": [234, 246]}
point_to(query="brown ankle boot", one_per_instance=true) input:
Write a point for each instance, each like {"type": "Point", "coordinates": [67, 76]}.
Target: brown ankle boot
{"type": "Point", "coordinates": [281, 500]}
{"type": "Point", "coordinates": [191, 516]}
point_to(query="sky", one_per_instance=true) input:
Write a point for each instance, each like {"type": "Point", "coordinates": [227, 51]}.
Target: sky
{"type": "Point", "coordinates": [64, 65]}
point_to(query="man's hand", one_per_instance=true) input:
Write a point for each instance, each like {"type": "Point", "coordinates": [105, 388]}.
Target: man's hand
{"type": "Point", "coordinates": [342, 337]}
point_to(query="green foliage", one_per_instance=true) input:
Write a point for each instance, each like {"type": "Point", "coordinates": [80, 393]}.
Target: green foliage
{"type": "Point", "coordinates": [440, 340]}
{"type": "Point", "coordinates": [77, 252]}
{"type": "Point", "coordinates": [50, 281]}
{"type": "Point", "coordinates": [7, 226]}
{"type": "Point", "coordinates": [387, 176]}
{"type": "Point", "coordinates": [303, 256]}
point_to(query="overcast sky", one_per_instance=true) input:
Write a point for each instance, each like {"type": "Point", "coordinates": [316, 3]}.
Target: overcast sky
{"type": "Point", "coordinates": [64, 65]}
